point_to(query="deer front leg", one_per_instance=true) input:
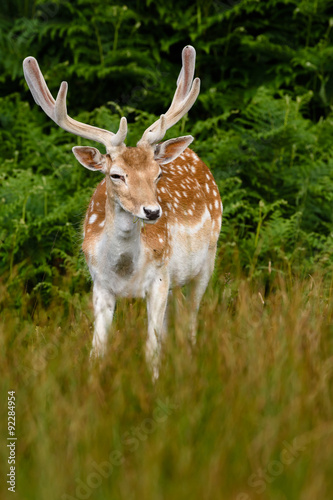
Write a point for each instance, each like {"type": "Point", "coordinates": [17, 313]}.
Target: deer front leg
{"type": "Point", "coordinates": [156, 307]}
{"type": "Point", "coordinates": [104, 304]}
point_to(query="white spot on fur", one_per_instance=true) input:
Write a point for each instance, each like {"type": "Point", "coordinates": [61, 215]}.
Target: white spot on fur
{"type": "Point", "coordinates": [102, 223]}
{"type": "Point", "coordinates": [160, 240]}
{"type": "Point", "coordinates": [92, 218]}
{"type": "Point", "coordinates": [207, 188]}
{"type": "Point", "coordinates": [216, 203]}
{"type": "Point", "coordinates": [195, 228]}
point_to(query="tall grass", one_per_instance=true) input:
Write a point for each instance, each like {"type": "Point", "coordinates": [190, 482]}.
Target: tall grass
{"type": "Point", "coordinates": [247, 413]}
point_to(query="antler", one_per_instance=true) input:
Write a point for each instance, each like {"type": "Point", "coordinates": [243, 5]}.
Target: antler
{"type": "Point", "coordinates": [57, 109]}
{"type": "Point", "coordinates": [184, 98]}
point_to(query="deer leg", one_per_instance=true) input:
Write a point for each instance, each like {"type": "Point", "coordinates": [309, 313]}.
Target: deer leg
{"type": "Point", "coordinates": [197, 288]}
{"type": "Point", "coordinates": [166, 315]}
{"type": "Point", "coordinates": [104, 304]}
{"type": "Point", "coordinates": [157, 299]}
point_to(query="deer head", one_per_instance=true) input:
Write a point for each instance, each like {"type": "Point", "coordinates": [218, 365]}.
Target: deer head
{"type": "Point", "coordinates": [131, 174]}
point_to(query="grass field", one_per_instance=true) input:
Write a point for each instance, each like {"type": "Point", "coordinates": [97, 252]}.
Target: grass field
{"type": "Point", "coordinates": [245, 414]}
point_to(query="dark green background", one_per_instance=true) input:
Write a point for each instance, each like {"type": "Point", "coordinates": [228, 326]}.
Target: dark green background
{"type": "Point", "coordinates": [262, 123]}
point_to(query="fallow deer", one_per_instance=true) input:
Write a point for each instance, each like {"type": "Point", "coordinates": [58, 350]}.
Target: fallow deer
{"type": "Point", "coordinates": [154, 220]}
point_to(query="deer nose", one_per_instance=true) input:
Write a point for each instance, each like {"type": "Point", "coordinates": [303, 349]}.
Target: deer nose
{"type": "Point", "coordinates": [152, 214]}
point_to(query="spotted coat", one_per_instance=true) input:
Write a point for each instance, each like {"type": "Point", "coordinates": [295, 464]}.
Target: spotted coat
{"type": "Point", "coordinates": [186, 192]}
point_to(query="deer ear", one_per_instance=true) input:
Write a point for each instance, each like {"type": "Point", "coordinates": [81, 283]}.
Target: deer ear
{"type": "Point", "coordinates": [170, 150]}
{"type": "Point", "coordinates": [90, 158]}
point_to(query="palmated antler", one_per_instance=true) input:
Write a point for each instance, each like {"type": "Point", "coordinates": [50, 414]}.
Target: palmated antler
{"type": "Point", "coordinates": [57, 109]}
{"type": "Point", "coordinates": [185, 96]}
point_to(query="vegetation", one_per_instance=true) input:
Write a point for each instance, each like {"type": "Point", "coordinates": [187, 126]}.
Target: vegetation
{"type": "Point", "coordinates": [246, 414]}
{"type": "Point", "coordinates": [261, 374]}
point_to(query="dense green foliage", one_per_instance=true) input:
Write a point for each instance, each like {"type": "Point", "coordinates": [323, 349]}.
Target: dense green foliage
{"type": "Point", "coordinates": [263, 121]}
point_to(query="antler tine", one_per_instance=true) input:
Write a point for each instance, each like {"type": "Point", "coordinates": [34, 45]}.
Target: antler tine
{"type": "Point", "coordinates": [185, 78]}
{"type": "Point", "coordinates": [185, 96]}
{"type": "Point", "coordinates": [120, 136]}
{"type": "Point", "coordinates": [57, 109]}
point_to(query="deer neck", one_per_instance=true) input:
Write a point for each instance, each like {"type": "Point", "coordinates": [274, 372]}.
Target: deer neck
{"type": "Point", "coordinates": [121, 225]}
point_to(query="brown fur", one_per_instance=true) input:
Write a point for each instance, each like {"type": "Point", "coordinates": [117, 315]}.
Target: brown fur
{"type": "Point", "coordinates": [186, 188]}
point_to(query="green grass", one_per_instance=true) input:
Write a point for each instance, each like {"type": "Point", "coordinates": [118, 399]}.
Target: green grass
{"type": "Point", "coordinates": [245, 414]}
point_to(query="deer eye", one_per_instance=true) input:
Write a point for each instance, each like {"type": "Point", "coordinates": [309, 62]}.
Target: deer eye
{"type": "Point", "coordinates": [118, 177]}
{"type": "Point", "coordinates": [159, 176]}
